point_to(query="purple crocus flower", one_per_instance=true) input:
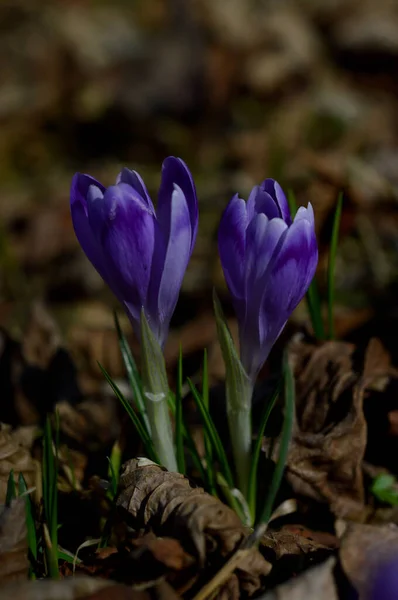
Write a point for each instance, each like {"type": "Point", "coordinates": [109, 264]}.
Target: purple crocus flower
{"type": "Point", "coordinates": [268, 263]}
{"type": "Point", "coordinates": [142, 254]}
{"type": "Point", "coordinates": [384, 583]}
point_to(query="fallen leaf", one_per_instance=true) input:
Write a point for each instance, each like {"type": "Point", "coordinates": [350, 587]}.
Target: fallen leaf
{"type": "Point", "coordinates": [364, 549]}
{"type": "Point", "coordinates": [14, 562]}
{"type": "Point", "coordinates": [152, 499]}
{"type": "Point", "coordinates": [315, 583]}
{"type": "Point", "coordinates": [15, 454]}
{"type": "Point", "coordinates": [71, 588]}
{"type": "Point", "coordinates": [330, 432]}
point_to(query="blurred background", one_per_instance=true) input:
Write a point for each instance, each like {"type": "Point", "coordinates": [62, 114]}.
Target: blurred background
{"type": "Point", "coordinates": [304, 91]}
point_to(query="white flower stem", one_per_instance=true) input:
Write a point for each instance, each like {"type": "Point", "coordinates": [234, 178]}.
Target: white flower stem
{"type": "Point", "coordinates": [240, 427]}
{"type": "Point", "coordinates": [161, 428]}
{"type": "Point", "coordinates": [156, 392]}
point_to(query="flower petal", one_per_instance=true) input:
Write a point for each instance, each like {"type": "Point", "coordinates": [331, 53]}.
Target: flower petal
{"type": "Point", "coordinates": [264, 238]}
{"type": "Point", "coordinates": [124, 227]}
{"type": "Point", "coordinates": [291, 273]}
{"type": "Point", "coordinates": [261, 202]}
{"type": "Point", "coordinates": [176, 172]}
{"type": "Point", "coordinates": [305, 213]}
{"type": "Point", "coordinates": [232, 244]}
{"type": "Point", "coordinates": [135, 180]}
{"type": "Point", "coordinates": [273, 188]}
{"type": "Point", "coordinates": [78, 205]}
{"type": "Point", "coordinates": [176, 259]}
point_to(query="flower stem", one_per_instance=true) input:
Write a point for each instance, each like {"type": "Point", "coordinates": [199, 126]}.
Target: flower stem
{"type": "Point", "coordinates": [240, 427]}
{"type": "Point", "coordinates": [156, 392]}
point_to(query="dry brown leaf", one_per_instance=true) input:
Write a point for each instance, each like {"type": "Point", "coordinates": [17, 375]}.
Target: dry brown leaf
{"type": "Point", "coordinates": [15, 454]}
{"type": "Point", "coordinates": [71, 588]}
{"type": "Point", "coordinates": [93, 423]}
{"type": "Point", "coordinates": [330, 433]}
{"type": "Point", "coordinates": [314, 584]}
{"type": "Point", "coordinates": [151, 498]}
{"type": "Point", "coordinates": [147, 560]}
{"type": "Point", "coordinates": [41, 338]}
{"type": "Point", "coordinates": [364, 549]}
{"type": "Point", "coordinates": [14, 562]}
{"type": "Point", "coordinates": [294, 542]}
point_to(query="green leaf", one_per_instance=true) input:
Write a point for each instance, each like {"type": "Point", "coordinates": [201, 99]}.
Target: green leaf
{"type": "Point", "coordinates": [30, 519]}
{"type": "Point", "coordinates": [189, 441]}
{"type": "Point", "coordinates": [114, 469]}
{"type": "Point", "coordinates": [285, 437]}
{"type": "Point", "coordinates": [179, 419]}
{"type": "Point", "coordinates": [50, 492]}
{"type": "Point", "coordinates": [252, 495]}
{"type": "Point", "coordinates": [239, 389]}
{"type": "Point", "coordinates": [132, 374]}
{"type": "Point", "coordinates": [11, 493]}
{"type": "Point", "coordinates": [332, 263]}
{"type": "Point", "coordinates": [213, 435]}
{"type": "Point", "coordinates": [385, 489]}
{"type": "Point", "coordinates": [142, 432]}
{"type": "Point", "coordinates": [210, 467]}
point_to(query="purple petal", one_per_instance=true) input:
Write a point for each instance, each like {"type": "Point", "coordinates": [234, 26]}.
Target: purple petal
{"type": "Point", "coordinates": [176, 259]}
{"type": "Point", "coordinates": [135, 180]}
{"type": "Point", "coordinates": [305, 213]}
{"type": "Point", "coordinates": [264, 238]}
{"type": "Point", "coordinates": [261, 202]}
{"type": "Point", "coordinates": [290, 276]}
{"type": "Point", "coordinates": [79, 188]}
{"type": "Point", "coordinates": [78, 204]}
{"type": "Point", "coordinates": [273, 188]}
{"type": "Point", "coordinates": [232, 244]}
{"type": "Point", "coordinates": [176, 172]}
{"type": "Point", "coordinates": [124, 227]}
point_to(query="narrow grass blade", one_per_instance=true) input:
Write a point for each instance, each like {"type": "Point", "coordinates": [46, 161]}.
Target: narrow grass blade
{"type": "Point", "coordinates": [252, 496]}
{"type": "Point", "coordinates": [132, 374]}
{"type": "Point", "coordinates": [141, 430]}
{"type": "Point", "coordinates": [189, 441]}
{"type": "Point", "coordinates": [210, 470]}
{"type": "Point", "coordinates": [30, 521]}
{"type": "Point", "coordinates": [179, 438]}
{"type": "Point", "coordinates": [284, 443]}
{"type": "Point", "coordinates": [332, 263]}
{"type": "Point", "coordinates": [213, 435]}
{"type": "Point", "coordinates": [235, 499]}
{"type": "Point", "coordinates": [113, 474]}
{"type": "Point", "coordinates": [50, 494]}
{"type": "Point", "coordinates": [11, 493]}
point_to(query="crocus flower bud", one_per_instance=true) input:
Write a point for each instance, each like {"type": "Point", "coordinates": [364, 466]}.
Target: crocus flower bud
{"type": "Point", "coordinates": [142, 254]}
{"type": "Point", "coordinates": [268, 263]}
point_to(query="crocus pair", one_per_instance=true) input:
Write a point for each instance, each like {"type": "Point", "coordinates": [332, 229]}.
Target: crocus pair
{"type": "Point", "coordinates": [142, 253]}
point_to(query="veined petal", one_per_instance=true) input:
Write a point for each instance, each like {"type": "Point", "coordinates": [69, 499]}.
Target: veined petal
{"type": "Point", "coordinates": [79, 188]}
{"type": "Point", "coordinates": [232, 244]}
{"type": "Point", "coordinates": [176, 172]}
{"type": "Point", "coordinates": [291, 275]}
{"type": "Point", "coordinates": [78, 204]}
{"type": "Point", "coordinates": [273, 188]}
{"type": "Point", "coordinates": [175, 261]}
{"type": "Point", "coordinates": [305, 213]}
{"type": "Point", "coordinates": [264, 238]}
{"type": "Point", "coordinates": [124, 228]}
{"type": "Point", "coordinates": [135, 180]}
{"type": "Point", "coordinates": [261, 202]}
